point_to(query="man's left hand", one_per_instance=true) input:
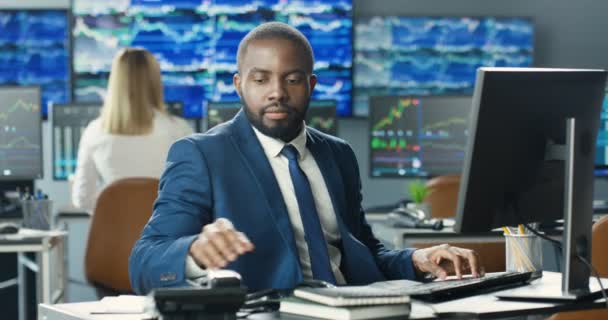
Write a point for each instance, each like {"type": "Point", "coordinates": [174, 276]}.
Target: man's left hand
{"type": "Point", "coordinates": [444, 259]}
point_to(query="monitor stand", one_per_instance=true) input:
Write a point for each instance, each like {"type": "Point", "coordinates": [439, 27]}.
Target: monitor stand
{"type": "Point", "coordinates": [576, 238]}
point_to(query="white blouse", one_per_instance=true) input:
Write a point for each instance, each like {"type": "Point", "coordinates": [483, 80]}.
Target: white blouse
{"type": "Point", "coordinates": [104, 158]}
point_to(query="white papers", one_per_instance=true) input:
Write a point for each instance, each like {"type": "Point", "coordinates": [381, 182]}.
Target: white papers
{"type": "Point", "coordinates": [123, 304]}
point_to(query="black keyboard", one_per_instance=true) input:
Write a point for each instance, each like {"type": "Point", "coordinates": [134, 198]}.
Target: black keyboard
{"type": "Point", "coordinates": [452, 289]}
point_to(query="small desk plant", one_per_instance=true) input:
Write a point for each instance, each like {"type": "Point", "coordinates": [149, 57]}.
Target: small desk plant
{"type": "Point", "coordinates": [418, 192]}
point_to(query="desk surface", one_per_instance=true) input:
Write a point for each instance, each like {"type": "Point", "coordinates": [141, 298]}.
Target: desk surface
{"type": "Point", "coordinates": [30, 236]}
{"type": "Point", "coordinates": [483, 306]}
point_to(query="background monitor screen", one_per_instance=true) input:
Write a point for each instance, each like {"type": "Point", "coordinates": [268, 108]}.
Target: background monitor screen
{"type": "Point", "coordinates": [196, 43]}
{"type": "Point", "coordinates": [68, 123]}
{"type": "Point", "coordinates": [21, 133]}
{"type": "Point", "coordinates": [601, 153]}
{"type": "Point", "coordinates": [417, 136]}
{"type": "Point", "coordinates": [433, 55]}
{"type": "Point", "coordinates": [35, 50]}
{"type": "Point", "coordinates": [321, 114]}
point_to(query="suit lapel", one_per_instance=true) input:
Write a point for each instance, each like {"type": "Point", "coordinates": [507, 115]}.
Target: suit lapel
{"type": "Point", "coordinates": [331, 174]}
{"type": "Point", "coordinates": [255, 158]}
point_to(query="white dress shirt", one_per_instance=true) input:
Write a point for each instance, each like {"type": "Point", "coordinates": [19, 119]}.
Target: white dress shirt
{"type": "Point", "coordinates": [280, 167]}
{"type": "Point", "coordinates": [104, 158]}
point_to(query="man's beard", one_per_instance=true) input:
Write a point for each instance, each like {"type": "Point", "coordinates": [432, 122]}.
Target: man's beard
{"type": "Point", "coordinates": [286, 129]}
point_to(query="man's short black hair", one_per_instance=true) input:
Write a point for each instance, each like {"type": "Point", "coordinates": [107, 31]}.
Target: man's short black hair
{"type": "Point", "coordinates": [276, 30]}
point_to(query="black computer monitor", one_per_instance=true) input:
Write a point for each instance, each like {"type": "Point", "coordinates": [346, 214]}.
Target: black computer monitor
{"type": "Point", "coordinates": [530, 157]}
{"type": "Point", "coordinates": [413, 136]}
{"type": "Point", "coordinates": [601, 151]}
{"type": "Point", "coordinates": [68, 122]}
{"type": "Point", "coordinates": [176, 108]}
{"type": "Point", "coordinates": [220, 112]}
{"type": "Point", "coordinates": [321, 115]}
{"type": "Point", "coordinates": [20, 133]}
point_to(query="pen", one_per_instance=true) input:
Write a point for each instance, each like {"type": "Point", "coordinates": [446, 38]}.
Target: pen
{"type": "Point", "coordinates": [521, 229]}
{"type": "Point", "coordinates": [506, 230]}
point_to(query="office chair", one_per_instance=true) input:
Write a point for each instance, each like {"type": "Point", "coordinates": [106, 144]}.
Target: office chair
{"type": "Point", "coordinates": [121, 212]}
{"type": "Point", "coordinates": [443, 195]}
{"type": "Point", "coordinates": [599, 259]}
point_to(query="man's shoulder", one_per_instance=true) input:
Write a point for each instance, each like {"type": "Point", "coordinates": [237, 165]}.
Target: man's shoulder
{"type": "Point", "coordinates": [332, 141]}
{"type": "Point", "coordinates": [215, 136]}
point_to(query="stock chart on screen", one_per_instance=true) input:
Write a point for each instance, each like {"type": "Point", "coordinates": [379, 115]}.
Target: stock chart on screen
{"type": "Point", "coordinates": [321, 114]}
{"type": "Point", "coordinates": [418, 136]}
{"type": "Point", "coordinates": [433, 55]}
{"type": "Point", "coordinates": [35, 50]}
{"type": "Point", "coordinates": [196, 44]}
{"type": "Point", "coordinates": [601, 153]}
{"type": "Point", "coordinates": [20, 133]}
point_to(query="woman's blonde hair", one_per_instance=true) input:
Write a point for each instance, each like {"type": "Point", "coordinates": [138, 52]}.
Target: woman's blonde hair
{"type": "Point", "coordinates": [134, 92]}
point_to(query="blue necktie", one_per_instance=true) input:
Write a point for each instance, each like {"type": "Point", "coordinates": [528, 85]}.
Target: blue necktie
{"type": "Point", "coordinates": [313, 233]}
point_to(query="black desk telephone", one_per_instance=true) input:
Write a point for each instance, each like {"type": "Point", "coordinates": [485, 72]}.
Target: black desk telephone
{"type": "Point", "coordinates": [407, 218]}
{"type": "Point", "coordinates": [218, 298]}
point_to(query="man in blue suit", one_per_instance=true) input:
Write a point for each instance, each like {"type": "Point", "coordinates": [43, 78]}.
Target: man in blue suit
{"type": "Point", "coordinates": [268, 197]}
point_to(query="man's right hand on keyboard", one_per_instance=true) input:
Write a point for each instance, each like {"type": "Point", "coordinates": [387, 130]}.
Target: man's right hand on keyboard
{"type": "Point", "coordinates": [443, 260]}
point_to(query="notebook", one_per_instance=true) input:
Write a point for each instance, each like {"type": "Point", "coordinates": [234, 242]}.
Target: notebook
{"type": "Point", "coordinates": [351, 296]}
{"type": "Point", "coordinates": [306, 308]}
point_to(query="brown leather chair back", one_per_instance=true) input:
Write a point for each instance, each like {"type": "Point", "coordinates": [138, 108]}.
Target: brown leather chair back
{"type": "Point", "coordinates": [599, 244]}
{"type": "Point", "coordinates": [443, 195]}
{"type": "Point", "coordinates": [121, 212]}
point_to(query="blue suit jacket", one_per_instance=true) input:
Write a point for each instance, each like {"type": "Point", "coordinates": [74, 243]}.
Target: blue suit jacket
{"type": "Point", "coordinates": [225, 173]}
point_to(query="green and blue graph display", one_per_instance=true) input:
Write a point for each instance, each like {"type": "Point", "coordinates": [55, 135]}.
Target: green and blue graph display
{"type": "Point", "coordinates": [196, 43]}
{"type": "Point", "coordinates": [417, 136]}
{"type": "Point", "coordinates": [35, 50]}
{"type": "Point", "coordinates": [433, 55]}
{"type": "Point", "coordinates": [601, 153]}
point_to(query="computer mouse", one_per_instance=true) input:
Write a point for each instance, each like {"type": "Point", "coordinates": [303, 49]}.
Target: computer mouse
{"type": "Point", "coordinates": [8, 228]}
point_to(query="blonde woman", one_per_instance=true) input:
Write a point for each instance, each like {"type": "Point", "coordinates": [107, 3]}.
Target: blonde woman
{"type": "Point", "coordinates": [132, 135]}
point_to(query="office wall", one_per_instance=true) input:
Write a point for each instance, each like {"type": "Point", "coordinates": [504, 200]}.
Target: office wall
{"type": "Point", "coordinates": [568, 34]}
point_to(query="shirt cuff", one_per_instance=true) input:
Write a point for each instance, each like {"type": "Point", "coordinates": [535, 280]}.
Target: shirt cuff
{"type": "Point", "coordinates": [193, 270]}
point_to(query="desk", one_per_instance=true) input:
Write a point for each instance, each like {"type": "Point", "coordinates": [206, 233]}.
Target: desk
{"type": "Point", "coordinates": [491, 243]}
{"type": "Point", "coordinates": [483, 306]}
{"type": "Point", "coordinates": [41, 242]}
{"type": "Point", "coordinates": [399, 238]}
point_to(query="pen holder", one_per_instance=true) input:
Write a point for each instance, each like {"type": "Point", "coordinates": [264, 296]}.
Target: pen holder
{"type": "Point", "coordinates": [37, 213]}
{"type": "Point", "coordinates": [523, 253]}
